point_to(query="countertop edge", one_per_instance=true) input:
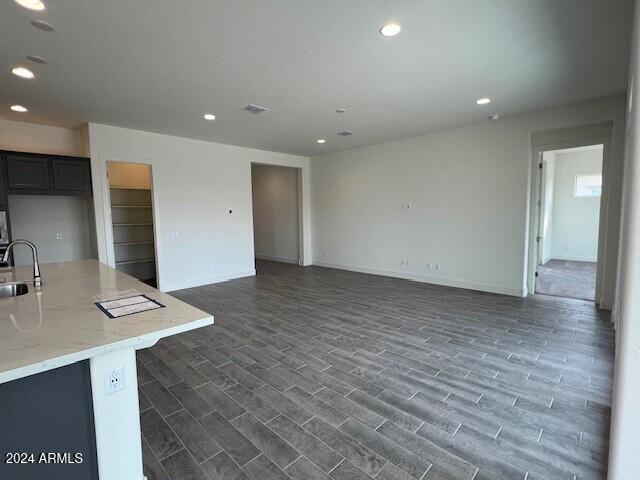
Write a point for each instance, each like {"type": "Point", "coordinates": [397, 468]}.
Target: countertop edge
{"type": "Point", "coordinates": [143, 341]}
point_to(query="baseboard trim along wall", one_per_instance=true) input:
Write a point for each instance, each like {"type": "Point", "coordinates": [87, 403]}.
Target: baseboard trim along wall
{"type": "Point", "coordinates": [442, 281]}
{"type": "Point", "coordinates": [210, 280]}
{"type": "Point", "coordinates": [278, 259]}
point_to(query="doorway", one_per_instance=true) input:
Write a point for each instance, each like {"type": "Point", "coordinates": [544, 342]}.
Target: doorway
{"type": "Point", "coordinates": [570, 191]}
{"type": "Point", "coordinates": [276, 213]}
{"type": "Point", "coordinates": [132, 220]}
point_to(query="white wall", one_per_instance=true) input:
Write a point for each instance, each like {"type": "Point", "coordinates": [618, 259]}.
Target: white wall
{"type": "Point", "coordinates": [34, 138]}
{"type": "Point", "coordinates": [275, 213]}
{"type": "Point", "coordinates": [624, 461]}
{"type": "Point", "coordinates": [548, 180]}
{"type": "Point", "coordinates": [129, 175]}
{"type": "Point", "coordinates": [39, 218]}
{"type": "Point", "coordinates": [575, 219]}
{"type": "Point", "coordinates": [469, 194]}
{"type": "Point", "coordinates": [195, 184]}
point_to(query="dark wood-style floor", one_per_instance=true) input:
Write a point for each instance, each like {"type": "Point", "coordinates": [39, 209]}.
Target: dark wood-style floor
{"type": "Point", "coordinates": [313, 373]}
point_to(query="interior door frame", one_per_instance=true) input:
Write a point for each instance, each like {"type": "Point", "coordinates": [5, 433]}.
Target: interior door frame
{"type": "Point", "coordinates": [560, 139]}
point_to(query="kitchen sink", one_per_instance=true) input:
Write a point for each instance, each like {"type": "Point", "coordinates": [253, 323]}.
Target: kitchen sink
{"type": "Point", "coordinates": [8, 290]}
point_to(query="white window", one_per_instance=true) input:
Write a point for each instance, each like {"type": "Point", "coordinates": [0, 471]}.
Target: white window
{"type": "Point", "coordinates": [588, 186]}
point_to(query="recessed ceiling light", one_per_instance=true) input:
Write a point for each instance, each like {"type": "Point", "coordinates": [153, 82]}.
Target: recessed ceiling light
{"type": "Point", "coordinates": [209, 116]}
{"type": "Point", "coordinates": [31, 4]}
{"type": "Point", "coordinates": [42, 25]}
{"type": "Point", "coordinates": [18, 108]}
{"type": "Point", "coordinates": [321, 140]}
{"type": "Point", "coordinates": [36, 59]}
{"type": "Point", "coordinates": [494, 116]}
{"type": "Point", "coordinates": [483, 101]}
{"type": "Point", "coordinates": [390, 29]}
{"type": "Point", "coordinates": [22, 72]}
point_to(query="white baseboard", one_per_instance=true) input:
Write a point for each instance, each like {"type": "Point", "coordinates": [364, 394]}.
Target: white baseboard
{"type": "Point", "coordinates": [446, 282]}
{"type": "Point", "coordinates": [278, 259]}
{"type": "Point", "coordinates": [224, 277]}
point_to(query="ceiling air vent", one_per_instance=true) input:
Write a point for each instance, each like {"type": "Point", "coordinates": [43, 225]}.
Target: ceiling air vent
{"type": "Point", "coordinates": [346, 133]}
{"type": "Point", "coordinates": [253, 108]}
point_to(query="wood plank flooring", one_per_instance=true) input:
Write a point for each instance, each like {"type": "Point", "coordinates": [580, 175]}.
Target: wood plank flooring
{"type": "Point", "coordinates": [319, 374]}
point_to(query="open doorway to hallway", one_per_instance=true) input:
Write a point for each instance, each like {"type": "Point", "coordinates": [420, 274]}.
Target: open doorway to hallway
{"type": "Point", "coordinates": [570, 193]}
{"type": "Point", "coordinates": [276, 213]}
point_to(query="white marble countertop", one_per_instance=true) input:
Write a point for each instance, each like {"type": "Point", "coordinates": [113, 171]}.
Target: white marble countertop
{"type": "Point", "coordinates": [60, 324]}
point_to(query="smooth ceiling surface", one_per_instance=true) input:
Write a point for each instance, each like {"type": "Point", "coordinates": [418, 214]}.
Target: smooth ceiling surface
{"type": "Point", "coordinates": [159, 65]}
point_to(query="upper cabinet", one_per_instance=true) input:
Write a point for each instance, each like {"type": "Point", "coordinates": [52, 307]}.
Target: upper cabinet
{"type": "Point", "coordinates": [32, 174]}
{"type": "Point", "coordinates": [71, 175]}
{"type": "Point", "coordinates": [28, 173]}
{"type": "Point", "coordinates": [3, 183]}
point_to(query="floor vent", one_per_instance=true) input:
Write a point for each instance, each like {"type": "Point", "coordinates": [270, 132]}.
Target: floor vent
{"type": "Point", "coordinates": [253, 108]}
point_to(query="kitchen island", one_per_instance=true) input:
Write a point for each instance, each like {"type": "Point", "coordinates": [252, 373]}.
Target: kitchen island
{"type": "Point", "coordinates": [55, 340]}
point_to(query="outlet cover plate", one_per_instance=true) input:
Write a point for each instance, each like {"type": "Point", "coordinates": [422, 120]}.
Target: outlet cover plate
{"type": "Point", "coordinates": [114, 381]}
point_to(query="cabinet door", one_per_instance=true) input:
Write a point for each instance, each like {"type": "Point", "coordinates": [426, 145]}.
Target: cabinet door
{"type": "Point", "coordinates": [49, 412]}
{"type": "Point", "coordinates": [71, 175]}
{"type": "Point", "coordinates": [3, 186]}
{"type": "Point", "coordinates": [28, 173]}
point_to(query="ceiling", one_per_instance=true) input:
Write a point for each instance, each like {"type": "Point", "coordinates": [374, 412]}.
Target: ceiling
{"type": "Point", "coordinates": [159, 65]}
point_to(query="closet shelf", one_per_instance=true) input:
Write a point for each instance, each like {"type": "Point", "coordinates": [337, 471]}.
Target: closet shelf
{"type": "Point", "coordinates": [130, 206]}
{"type": "Point", "coordinates": [141, 260]}
{"type": "Point", "coordinates": [122, 244]}
{"type": "Point", "coordinates": [132, 224]}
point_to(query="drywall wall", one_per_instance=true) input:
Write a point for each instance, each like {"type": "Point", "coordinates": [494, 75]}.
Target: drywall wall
{"type": "Point", "coordinates": [202, 202]}
{"type": "Point", "coordinates": [40, 219]}
{"type": "Point", "coordinates": [129, 175]}
{"type": "Point", "coordinates": [275, 213]}
{"type": "Point", "coordinates": [548, 179]}
{"type": "Point", "coordinates": [468, 190]}
{"type": "Point", "coordinates": [575, 219]}
{"type": "Point", "coordinates": [34, 138]}
{"type": "Point", "coordinates": [624, 461]}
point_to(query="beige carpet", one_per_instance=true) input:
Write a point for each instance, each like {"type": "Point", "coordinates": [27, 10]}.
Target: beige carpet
{"type": "Point", "coordinates": [563, 278]}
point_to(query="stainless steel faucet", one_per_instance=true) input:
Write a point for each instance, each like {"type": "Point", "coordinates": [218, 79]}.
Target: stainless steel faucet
{"type": "Point", "coordinates": [37, 279]}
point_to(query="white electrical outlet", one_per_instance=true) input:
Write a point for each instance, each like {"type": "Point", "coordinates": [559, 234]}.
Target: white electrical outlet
{"type": "Point", "coordinates": [58, 236]}
{"type": "Point", "coordinates": [114, 381]}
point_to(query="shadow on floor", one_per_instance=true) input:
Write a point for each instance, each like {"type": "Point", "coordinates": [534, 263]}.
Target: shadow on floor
{"type": "Point", "coordinates": [563, 278]}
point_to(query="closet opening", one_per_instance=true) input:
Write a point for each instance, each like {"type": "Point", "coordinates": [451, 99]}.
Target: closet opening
{"type": "Point", "coordinates": [132, 219]}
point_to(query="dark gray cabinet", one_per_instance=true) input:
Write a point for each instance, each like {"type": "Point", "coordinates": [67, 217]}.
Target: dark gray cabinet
{"type": "Point", "coordinates": [50, 412]}
{"type": "Point", "coordinates": [71, 175]}
{"type": "Point", "coordinates": [28, 173]}
{"type": "Point", "coordinates": [3, 183]}
{"type": "Point", "coordinates": [33, 174]}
